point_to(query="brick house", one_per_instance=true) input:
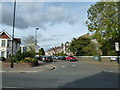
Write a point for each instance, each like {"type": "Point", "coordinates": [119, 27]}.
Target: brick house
{"type": "Point", "coordinates": [63, 48]}
{"type": "Point", "coordinates": [6, 44]}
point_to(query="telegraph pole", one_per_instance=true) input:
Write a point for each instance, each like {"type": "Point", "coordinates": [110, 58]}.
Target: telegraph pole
{"type": "Point", "coordinates": [12, 62]}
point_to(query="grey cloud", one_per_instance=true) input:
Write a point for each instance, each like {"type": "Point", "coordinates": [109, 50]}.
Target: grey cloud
{"type": "Point", "coordinates": [58, 35]}
{"type": "Point", "coordinates": [37, 15]}
{"type": "Point", "coordinates": [7, 15]}
{"type": "Point", "coordinates": [29, 8]}
{"type": "Point", "coordinates": [46, 39]}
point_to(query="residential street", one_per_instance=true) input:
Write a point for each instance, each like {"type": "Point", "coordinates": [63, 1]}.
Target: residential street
{"type": "Point", "coordinates": [65, 75]}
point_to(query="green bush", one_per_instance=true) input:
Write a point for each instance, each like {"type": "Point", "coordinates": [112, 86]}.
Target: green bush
{"type": "Point", "coordinates": [2, 59]}
{"type": "Point", "coordinates": [28, 60]}
{"type": "Point", "coordinates": [9, 59]}
{"type": "Point", "coordinates": [21, 56]}
{"type": "Point", "coordinates": [33, 61]}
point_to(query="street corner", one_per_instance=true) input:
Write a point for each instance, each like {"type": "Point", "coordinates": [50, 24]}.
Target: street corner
{"type": "Point", "coordinates": [52, 67]}
{"type": "Point", "coordinates": [40, 68]}
{"type": "Point", "coordinates": [47, 67]}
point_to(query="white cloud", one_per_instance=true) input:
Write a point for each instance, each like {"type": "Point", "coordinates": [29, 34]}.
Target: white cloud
{"type": "Point", "coordinates": [62, 21]}
{"type": "Point", "coordinates": [37, 15]}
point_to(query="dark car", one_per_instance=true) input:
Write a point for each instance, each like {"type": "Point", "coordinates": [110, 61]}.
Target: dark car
{"type": "Point", "coordinates": [40, 58]}
{"type": "Point", "coordinates": [71, 58]}
{"type": "Point", "coordinates": [47, 58]}
{"type": "Point", "coordinates": [62, 57]}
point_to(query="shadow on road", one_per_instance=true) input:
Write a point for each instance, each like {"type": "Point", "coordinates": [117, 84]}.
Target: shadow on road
{"type": "Point", "coordinates": [100, 80]}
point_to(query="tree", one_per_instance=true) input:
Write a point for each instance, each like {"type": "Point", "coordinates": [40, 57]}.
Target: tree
{"type": "Point", "coordinates": [41, 51]}
{"type": "Point", "coordinates": [103, 22]}
{"type": "Point", "coordinates": [92, 49]}
{"type": "Point", "coordinates": [30, 43]}
{"type": "Point", "coordinates": [77, 45]}
{"type": "Point", "coordinates": [20, 56]}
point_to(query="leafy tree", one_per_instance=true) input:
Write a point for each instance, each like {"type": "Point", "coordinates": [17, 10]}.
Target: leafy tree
{"type": "Point", "coordinates": [77, 45]}
{"type": "Point", "coordinates": [20, 56]}
{"type": "Point", "coordinates": [41, 51]}
{"type": "Point", "coordinates": [92, 49]}
{"type": "Point", "coordinates": [103, 22]}
{"type": "Point", "coordinates": [30, 43]}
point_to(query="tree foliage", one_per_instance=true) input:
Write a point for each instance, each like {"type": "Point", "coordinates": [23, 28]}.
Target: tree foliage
{"type": "Point", "coordinates": [103, 22]}
{"type": "Point", "coordinates": [77, 45]}
{"type": "Point", "coordinates": [30, 43]}
{"type": "Point", "coordinates": [20, 56]}
{"type": "Point", "coordinates": [92, 49]}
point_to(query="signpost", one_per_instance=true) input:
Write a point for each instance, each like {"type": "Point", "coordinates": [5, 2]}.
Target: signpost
{"type": "Point", "coordinates": [117, 50]}
{"type": "Point", "coordinates": [117, 46]}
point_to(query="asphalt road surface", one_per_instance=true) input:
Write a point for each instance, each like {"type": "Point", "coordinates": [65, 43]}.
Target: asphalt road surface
{"type": "Point", "coordinates": [66, 75]}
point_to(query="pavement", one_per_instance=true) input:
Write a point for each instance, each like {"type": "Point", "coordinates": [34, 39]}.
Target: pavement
{"type": "Point", "coordinates": [102, 63]}
{"type": "Point", "coordinates": [40, 68]}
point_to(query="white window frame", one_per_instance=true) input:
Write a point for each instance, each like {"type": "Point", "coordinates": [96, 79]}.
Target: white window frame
{"type": "Point", "coordinates": [2, 53]}
{"type": "Point", "coordinates": [3, 44]}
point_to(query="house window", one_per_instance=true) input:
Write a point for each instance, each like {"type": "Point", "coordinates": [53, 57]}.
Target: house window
{"type": "Point", "coordinates": [3, 43]}
{"type": "Point", "coordinates": [2, 53]}
{"type": "Point", "coordinates": [9, 43]}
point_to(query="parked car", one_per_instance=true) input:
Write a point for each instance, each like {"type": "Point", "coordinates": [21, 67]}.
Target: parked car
{"type": "Point", "coordinates": [62, 57]}
{"type": "Point", "coordinates": [71, 58]}
{"type": "Point", "coordinates": [47, 58]}
{"type": "Point", "coordinates": [54, 57]}
{"type": "Point", "coordinates": [40, 58]}
{"type": "Point", "coordinates": [57, 57]}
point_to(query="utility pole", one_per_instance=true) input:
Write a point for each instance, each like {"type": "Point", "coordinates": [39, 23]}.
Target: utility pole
{"type": "Point", "coordinates": [12, 62]}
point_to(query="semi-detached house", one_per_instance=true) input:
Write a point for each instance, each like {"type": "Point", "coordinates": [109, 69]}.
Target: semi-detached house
{"type": "Point", "coordinates": [6, 44]}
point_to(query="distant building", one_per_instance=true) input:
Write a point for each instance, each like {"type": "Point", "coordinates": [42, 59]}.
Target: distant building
{"type": "Point", "coordinates": [55, 50]}
{"type": "Point", "coordinates": [6, 44]}
{"type": "Point", "coordinates": [64, 47]}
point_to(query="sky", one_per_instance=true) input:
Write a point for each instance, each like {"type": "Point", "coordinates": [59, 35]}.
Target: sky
{"type": "Point", "coordinates": [58, 22]}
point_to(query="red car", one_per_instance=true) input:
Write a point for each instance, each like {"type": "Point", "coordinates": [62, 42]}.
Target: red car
{"type": "Point", "coordinates": [71, 58]}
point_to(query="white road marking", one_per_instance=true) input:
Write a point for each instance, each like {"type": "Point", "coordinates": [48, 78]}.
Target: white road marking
{"type": "Point", "coordinates": [73, 65]}
{"type": "Point", "coordinates": [2, 71]}
{"type": "Point", "coordinates": [9, 87]}
{"type": "Point", "coordinates": [62, 66]}
{"type": "Point", "coordinates": [108, 71]}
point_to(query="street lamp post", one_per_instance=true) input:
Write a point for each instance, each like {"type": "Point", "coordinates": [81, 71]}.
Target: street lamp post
{"type": "Point", "coordinates": [12, 62]}
{"type": "Point", "coordinates": [36, 40]}
{"type": "Point", "coordinates": [36, 35]}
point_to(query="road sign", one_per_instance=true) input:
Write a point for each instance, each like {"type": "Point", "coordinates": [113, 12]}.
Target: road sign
{"type": "Point", "coordinates": [117, 46]}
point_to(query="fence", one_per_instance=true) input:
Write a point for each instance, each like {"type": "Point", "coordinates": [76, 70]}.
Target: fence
{"type": "Point", "coordinates": [104, 59]}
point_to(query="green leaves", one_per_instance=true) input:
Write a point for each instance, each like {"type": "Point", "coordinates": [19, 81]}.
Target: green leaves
{"type": "Point", "coordinates": [103, 21]}
{"type": "Point", "coordinates": [77, 45]}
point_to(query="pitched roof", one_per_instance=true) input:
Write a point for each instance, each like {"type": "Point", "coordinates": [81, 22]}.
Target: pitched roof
{"type": "Point", "coordinates": [4, 34]}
